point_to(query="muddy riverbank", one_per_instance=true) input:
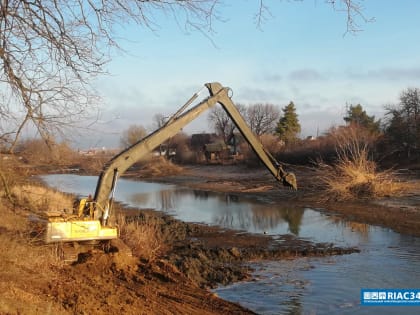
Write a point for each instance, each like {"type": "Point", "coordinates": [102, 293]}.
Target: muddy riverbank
{"type": "Point", "coordinates": [212, 256]}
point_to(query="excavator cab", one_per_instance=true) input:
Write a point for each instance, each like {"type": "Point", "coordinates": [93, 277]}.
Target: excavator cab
{"type": "Point", "coordinates": [84, 208]}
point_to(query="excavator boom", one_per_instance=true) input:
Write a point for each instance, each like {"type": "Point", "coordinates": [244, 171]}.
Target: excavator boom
{"type": "Point", "coordinates": [288, 179]}
{"type": "Point", "coordinates": [120, 163]}
{"type": "Point", "coordinates": [90, 221]}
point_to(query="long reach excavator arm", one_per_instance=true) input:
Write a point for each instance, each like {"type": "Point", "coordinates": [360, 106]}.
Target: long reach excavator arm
{"type": "Point", "coordinates": [89, 222]}
{"type": "Point", "coordinates": [121, 162]}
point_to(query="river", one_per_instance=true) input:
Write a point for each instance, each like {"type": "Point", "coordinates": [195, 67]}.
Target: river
{"type": "Point", "coordinates": [327, 285]}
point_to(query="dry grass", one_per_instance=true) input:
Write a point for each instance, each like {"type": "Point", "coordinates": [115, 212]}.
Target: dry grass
{"type": "Point", "coordinates": [19, 252]}
{"type": "Point", "coordinates": [356, 177]}
{"type": "Point", "coordinates": [354, 174]}
{"type": "Point", "coordinates": [21, 259]}
{"type": "Point", "coordinates": [160, 166]}
{"type": "Point", "coordinates": [41, 199]}
{"type": "Point", "coordinates": [26, 269]}
{"type": "Point", "coordinates": [144, 238]}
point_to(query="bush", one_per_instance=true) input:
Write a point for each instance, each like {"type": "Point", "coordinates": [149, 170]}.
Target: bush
{"type": "Point", "coordinates": [39, 152]}
{"type": "Point", "coordinates": [354, 176]}
{"type": "Point", "coordinates": [144, 238]}
{"type": "Point", "coordinates": [271, 143]}
{"type": "Point", "coordinates": [159, 166]}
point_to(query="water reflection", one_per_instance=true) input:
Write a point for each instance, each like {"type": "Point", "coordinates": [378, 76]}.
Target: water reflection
{"type": "Point", "coordinates": [360, 228]}
{"type": "Point", "coordinates": [227, 210]}
{"type": "Point", "coordinates": [294, 218]}
{"type": "Point", "coordinates": [163, 200]}
{"type": "Point", "coordinates": [139, 198]}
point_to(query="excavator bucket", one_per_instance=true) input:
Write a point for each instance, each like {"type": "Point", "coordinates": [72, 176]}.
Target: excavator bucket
{"type": "Point", "coordinates": [289, 180]}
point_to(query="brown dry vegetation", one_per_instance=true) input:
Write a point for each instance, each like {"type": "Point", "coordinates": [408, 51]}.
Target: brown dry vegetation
{"type": "Point", "coordinates": [145, 239]}
{"type": "Point", "coordinates": [157, 167]}
{"type": "Point", "coordinates": [39, 199]}
{"type": "Point", "coordinates": [25, 267]}
{"type": "Point", "coordinates": [167, 273]}
{"type": "Point", "coordinates": [355, 177]}
{"type": "Point", "coordinates": [355, 174]}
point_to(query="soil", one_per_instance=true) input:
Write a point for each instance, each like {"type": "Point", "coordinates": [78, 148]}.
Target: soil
{"type": "Point", "coordinates": [196, 257]}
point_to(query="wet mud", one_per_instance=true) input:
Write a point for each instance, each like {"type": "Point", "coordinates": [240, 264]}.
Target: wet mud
{"type": "Point", "coordinates": [212, 256]}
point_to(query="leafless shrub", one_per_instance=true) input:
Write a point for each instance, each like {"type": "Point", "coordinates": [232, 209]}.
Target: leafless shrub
{"type": "Point", "coordinates": [355, 174]}
{"type": "Point", "coordinates": [159, 166]}
{"type": "Point", "coordinates": [270, 142]}
{"type": "Point", "coordinates": [144, 238]}
{"type": "Point", "coordinates": [328, 147]}
{"type": "Point", "coordinates": [41, 152]}
{"type": "Point", "coordinates": [352, 141]}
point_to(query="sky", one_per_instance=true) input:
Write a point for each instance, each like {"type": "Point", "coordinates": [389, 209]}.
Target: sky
{"type": "Point", "coordinates": [301, 53]}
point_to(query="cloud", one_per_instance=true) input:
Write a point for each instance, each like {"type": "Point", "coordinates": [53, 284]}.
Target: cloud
{"type": "Point", "coordinates": [305, 75]}
{"type": "Point", "coordinates": [387, 74]}
{"type": "Point", "coordinates": [317, 122]}
{"type": "Point", "coordinates": [270, 77]}
{"type": "Point", "coordinates": [248, 94]}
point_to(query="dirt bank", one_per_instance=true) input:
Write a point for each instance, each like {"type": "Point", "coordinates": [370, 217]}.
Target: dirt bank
{"type": "Point", "coordinates": [210, 256]}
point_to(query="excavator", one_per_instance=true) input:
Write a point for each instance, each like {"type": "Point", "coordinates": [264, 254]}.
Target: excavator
{"type": "Point", "coordinates": [90, 218]}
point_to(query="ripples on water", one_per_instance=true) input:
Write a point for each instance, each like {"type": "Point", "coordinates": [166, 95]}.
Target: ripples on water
{"type": "Point", "coordinates": [329, 285]}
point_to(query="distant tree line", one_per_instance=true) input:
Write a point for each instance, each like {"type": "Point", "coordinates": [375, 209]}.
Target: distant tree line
{"type": "Point", "coordinates": [262, 118]}
{"type": "Point", "coordinates": [397, 134]}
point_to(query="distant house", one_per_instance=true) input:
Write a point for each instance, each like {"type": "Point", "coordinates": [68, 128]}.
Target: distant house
{"type": "Point", "coordinates": [208, 147]}
{"type": "Point", "coordinates": [216, 151]}
{"type": "Point", "coordinates": [199, 140]}
{"type": "Point", "coordinates": [212, 149]}
{"type": "Point", "coordinates": [164, 150]}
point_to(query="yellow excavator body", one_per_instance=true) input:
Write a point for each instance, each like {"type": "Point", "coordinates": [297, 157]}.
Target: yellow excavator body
{"type": "Point", "coordinates": [78, 226]}
{"type": "Point", "coordinates": [62, 230]}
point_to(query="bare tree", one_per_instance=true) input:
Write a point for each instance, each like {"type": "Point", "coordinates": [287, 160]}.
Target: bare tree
{"type": "Point", "coordinates": [262, 118]}
{"type": "Point", "coordinates": [132, 135]}
{"type": "Point", "coordinates": [159, 120]}
{"type": "Point", "coordinates": [50, 51]}
{"type": "Point", "coordinates": [353, 9]}
{"type": "Point", "coordinates": [222, 123]}
{"type": "Point", "coordinates": [403, 125]}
